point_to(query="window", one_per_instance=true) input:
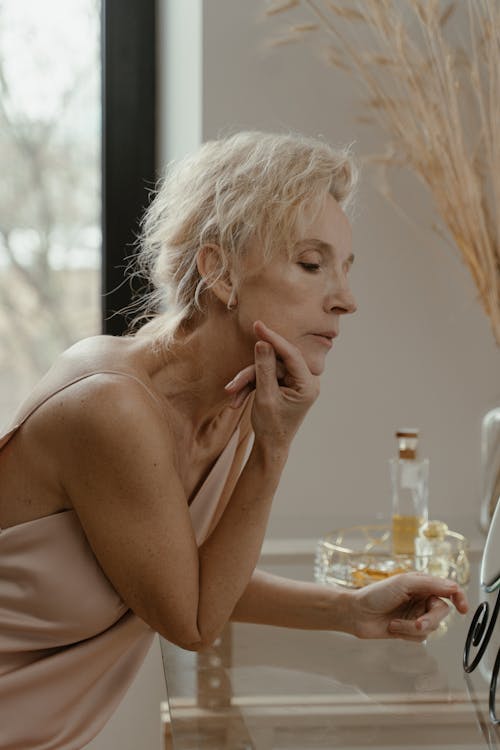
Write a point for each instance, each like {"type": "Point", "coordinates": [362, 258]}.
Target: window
{"type": "Point", "coordinates": [50, 226]}
{"type": "Point", "coordinates": [66, 97]}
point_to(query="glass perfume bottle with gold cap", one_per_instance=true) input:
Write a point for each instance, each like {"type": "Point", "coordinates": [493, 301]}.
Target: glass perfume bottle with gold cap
{"type": "Point", "coordinates": [410, 483]}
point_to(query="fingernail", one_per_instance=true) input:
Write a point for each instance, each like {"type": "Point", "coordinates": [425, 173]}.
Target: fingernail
{"type": "Point", "coordinates": [424, 624]}
{"type": "Point", "coordinates": [262, 347]}
{"type": "Point", "coordinates": [231, 382]}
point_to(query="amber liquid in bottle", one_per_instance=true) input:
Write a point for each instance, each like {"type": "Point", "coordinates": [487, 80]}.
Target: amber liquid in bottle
{"type": "Point", "coordinates": [409, 480]}
{"type": "Point", "coordinates": [404, 531]}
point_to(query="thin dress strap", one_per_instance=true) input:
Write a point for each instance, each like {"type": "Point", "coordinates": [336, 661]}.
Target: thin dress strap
{"type": "Point", "coordinates": [4, 439]}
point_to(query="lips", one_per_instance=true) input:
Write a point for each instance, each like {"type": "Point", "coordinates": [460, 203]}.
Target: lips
{"type": "Point", "coordinates": [326, 334]}
{"type": "Point", "coordinates": [325, 338]}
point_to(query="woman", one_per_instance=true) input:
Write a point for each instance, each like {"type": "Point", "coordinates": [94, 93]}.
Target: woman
{"type": "Point", "coordinates": [137, 480]}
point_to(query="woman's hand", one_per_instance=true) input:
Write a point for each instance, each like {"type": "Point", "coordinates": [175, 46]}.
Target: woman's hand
{"type": "Point", "coordinates": [284, 387]}
{"type": "Point", "coordinates": [405, 606]}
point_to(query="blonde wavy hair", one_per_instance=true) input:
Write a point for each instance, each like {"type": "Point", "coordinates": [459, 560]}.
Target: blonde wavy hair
{"type": "Point", "coordinates": [245, 187]}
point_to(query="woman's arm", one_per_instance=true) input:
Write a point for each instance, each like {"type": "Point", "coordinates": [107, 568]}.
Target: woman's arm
{"type": "Point", "coordinates": [407, 606]}
{"type": "Point", "coordinates": [274, 600]}
{"type": "Point", "coordinates": [228, 557]}
{"type": "Point", "coordinates": [117, 468]}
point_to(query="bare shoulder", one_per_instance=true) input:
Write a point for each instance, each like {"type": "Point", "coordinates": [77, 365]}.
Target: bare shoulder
{"type": "Point", "coordinates": [92, 346]}
{"type": "Point", "coordinates": [91, 354]}
{"type": "Point", "coordinates": [107, 412]}
{"type": "Point", "coordinates": [118, 472]}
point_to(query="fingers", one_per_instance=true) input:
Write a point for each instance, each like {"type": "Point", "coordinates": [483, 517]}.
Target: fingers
{"type": "Point", "coordinates": [460, 601]}
{"type": "Point", "coordinates": [419, 584]}
{"type": "Point", "coordinates": [246, 377]}
{"type": "Point", "coordinates": [241, 380]}
{"type": "Point", "coordinates": [238, 398]}
{"type": "Point", "coordinates": [292, 358]}
{"type": "Point", "coordinates": [436, 610]}
{"type": "Point", "coordinates": [244, 382]}
{"type": "Point", "coordinates": [286, 361]}
{"type": "Point", "coordinates": [266, 382]}
{"type": "Point", "coordinates": [420, 627]}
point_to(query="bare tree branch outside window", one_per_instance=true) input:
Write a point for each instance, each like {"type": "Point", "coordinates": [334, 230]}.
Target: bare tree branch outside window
{"type": "Point", "coordinates": [50, 233]}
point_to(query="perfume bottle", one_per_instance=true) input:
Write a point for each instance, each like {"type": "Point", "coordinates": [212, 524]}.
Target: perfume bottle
{"type": "Point", "coordinates": [432, 551]}
{"type": "Point", "coordinates": [410, 481]}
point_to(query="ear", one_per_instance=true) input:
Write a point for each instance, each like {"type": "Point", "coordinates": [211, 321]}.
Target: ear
{"type": "Point", "coordinates": [209, 263]}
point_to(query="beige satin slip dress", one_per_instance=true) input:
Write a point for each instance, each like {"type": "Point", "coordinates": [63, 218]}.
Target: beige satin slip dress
{"type": "Point", "coordinates": [69, 646]}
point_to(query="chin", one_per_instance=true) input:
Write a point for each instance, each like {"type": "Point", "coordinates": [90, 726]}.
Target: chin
{"type": "Point", "coordinates": [316, 365]}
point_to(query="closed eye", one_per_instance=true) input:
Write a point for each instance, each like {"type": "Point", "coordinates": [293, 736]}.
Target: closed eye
{"type": "Point", "coordinates": [310, 266]}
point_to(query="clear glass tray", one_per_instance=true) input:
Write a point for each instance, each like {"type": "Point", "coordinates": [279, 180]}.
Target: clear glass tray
{"type": "Point", "coordinates": [359, 555]}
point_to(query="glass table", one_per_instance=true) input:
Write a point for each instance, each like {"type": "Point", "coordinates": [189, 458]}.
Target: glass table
{"type": "Point", "coordinates": [264, 688]}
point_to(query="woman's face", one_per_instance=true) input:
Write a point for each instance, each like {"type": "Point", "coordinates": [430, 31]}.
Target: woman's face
{"type": "Point", "coordinates": [303, 297]}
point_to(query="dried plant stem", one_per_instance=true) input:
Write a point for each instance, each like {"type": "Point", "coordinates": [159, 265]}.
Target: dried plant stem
{"type": "Point", "coordinates": [418, 88]}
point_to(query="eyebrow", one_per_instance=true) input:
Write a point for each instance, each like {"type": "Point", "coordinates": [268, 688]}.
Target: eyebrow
{"type": "Point", "coordinates": [322, 247]}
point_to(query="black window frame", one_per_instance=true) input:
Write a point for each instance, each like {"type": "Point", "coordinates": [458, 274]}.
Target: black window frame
{"type": "Point", "coordinates": [128, 145]}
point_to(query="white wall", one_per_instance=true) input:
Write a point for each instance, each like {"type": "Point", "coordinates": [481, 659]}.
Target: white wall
{"type": "Point", "coordinates": [419, 351]}
{"type": "Point", "coordinates": [180, 65]}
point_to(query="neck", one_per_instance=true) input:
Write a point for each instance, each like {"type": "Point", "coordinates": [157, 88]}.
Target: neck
{"type": "Point", "coordinates": [192, 373]}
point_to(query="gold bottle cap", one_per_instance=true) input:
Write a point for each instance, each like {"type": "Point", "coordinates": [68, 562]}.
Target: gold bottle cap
{"type": "Point", "coordinates": [407, 438]}
{"type": "Point", "coordinates": [433, 530]}
{"type": "Point", "coordinates": [409, 432]}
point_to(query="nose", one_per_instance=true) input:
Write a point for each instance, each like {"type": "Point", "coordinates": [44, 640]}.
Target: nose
{"type": "Point", "coordinates": [342, 301]}
{"type": "Point", "coordinates": [351, 304]}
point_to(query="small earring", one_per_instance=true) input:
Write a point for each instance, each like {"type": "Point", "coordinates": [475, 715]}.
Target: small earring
{"type": "Point", "coordinates": [232, 302]}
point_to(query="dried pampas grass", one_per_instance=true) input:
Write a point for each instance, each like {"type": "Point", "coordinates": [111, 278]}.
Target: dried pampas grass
{"type": "Point", "coordinates": [439, 102]}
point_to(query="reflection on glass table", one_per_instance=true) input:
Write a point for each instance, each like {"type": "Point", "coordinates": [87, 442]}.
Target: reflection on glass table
{"type": "Point", "coordinates": [269, 688]}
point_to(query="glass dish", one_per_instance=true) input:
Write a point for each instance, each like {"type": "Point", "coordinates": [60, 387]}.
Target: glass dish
{"type": "Point", "coordinates": [358, 555]}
